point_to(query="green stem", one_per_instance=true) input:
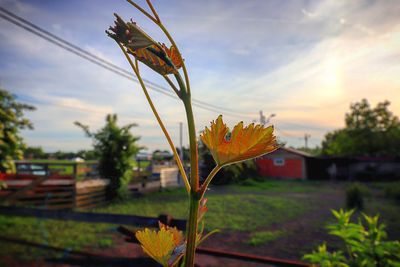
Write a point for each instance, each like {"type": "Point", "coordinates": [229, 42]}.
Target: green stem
{"type": "Point", "coordinates": [172, 85]}
{"type": "Point", "coordinates": [192, 230]}
{"type": "Point", "coordinates": [194, 183]}
{"type": "Point", "coordinates": [143, 11]}
{"type": "Point", "coordinates": [185, 73]}
{"type": "Point", "coordinates": [194, 164]}
{"type": "Point", "coordinates": [208, 180]}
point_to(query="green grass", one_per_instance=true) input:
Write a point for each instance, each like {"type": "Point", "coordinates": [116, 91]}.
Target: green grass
{"type": "Point", "coordinates": [63, 234]}
{"type": "Point", "coordinates": [261, 238]}
{"type": "Point", "coordinates": [279, 186]}
{"type": "Point", "coordinates": [244, 212]}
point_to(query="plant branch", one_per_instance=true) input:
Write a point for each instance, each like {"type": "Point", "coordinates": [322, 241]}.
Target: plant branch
{"type": "Point", "coordinates": [176, 156]}
{"type": "Point", "coordinates": [192, 230]}
{"type": "Point", "coordinates": [194, 164]}
{"type": "Point", "coordinates": [157, 21]}
{"type": "Point", "coordinates": [208, 179]}
{"type": "Point", "coordinates": [137, 65]}
{"type": "Point", "coordinates": [180, 55]}
{"type": "Point", "coordinates": [154, 11]}
{"type": "Point", "coordinates": [143, 11]}
{"type": "Point", "coordinates": [172, 85]}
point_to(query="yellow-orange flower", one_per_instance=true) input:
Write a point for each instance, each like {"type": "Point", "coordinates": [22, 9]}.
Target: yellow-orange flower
{"type": "Point", "coordinates": [241, 144]}
{"type": "Point", "coordinates": [157, 244]}
{"type": "Point", "coordinates": [177, 235]}
{"type": "Point", "coordinates": [161, 245]}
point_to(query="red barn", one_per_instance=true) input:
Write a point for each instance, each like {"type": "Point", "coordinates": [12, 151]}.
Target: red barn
{"type": "Point", "coordinates": [284, 163]}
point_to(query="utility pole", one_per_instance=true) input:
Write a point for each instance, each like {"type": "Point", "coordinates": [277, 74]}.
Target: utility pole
{"type": "Point", "coordinates": [306, 137]}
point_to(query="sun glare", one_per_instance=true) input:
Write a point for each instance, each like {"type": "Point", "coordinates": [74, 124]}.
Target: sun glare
{"type": "Point", "coordinates": [331, 78]}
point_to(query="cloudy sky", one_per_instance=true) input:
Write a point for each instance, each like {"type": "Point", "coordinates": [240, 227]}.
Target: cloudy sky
{"type": "Point", "coordinates": [304, 61]}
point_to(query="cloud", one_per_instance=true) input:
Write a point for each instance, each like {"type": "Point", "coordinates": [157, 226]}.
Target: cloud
{"type": "Point", "coordinates": [304, 62]}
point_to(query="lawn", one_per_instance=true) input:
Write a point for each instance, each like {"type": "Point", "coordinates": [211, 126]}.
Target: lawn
{"type": "Point", "coordinates": [240, 212]}
{"type": "Point", "coordinates": [276, 218]}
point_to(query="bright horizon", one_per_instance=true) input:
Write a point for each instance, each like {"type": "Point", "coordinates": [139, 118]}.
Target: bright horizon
{"type": "Point", "coordinates": [304, 61]}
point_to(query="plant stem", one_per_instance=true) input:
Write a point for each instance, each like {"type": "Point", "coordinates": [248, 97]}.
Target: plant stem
{"type": "Point", "coordinates": [157, 21]}
{"type": "Point", "coordinates": [194, 164]}
{"type": "Point", "coordinates": [143, 11]}
{"type": "Point", "coordinates": [208, 180]}
{"type": "Point", "coordinates": [194, 183]}
{"type": "Point", "coordinates": [176, 156]}
{"type": "Point", "coordinates": [191, 236]}
{"type": "Point", "coordinates": [153, 10]}
{"type": "Point", "coordinates": [185, 73]}
{"type": "Point", "coordinates": [172, 86]}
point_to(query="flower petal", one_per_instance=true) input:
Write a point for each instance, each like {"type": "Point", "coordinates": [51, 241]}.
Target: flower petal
{"type": "Point", "coordinates": [243, 142]}
{"type": "Point", "coordinates": [156, 59]}
{"type": "Point", "coordinates": [173, 54]}
{"type": "Point", "coordinates": [176, 234]}
{"type": "Point", "coordinates": [157, 244]}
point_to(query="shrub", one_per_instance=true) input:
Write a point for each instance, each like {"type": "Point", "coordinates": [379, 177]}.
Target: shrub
{"type": "Point", "coordinates": [354, 196]}
{"type": "Point", "coordinates": [115, 146]}
{"type": "Point", "coordinates": [366, 245]}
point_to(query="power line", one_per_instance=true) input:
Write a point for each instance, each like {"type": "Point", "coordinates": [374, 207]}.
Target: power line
{"type": "Point", "coordinates": [44, 34]}
{"type": "Point", "coordinates": [70, 47]}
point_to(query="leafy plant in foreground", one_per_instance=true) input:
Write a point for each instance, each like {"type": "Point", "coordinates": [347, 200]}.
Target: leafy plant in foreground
{"type": "Point", "coordinates": [365, 243]}
{"type": "Point", "coordinates": [225, 146]}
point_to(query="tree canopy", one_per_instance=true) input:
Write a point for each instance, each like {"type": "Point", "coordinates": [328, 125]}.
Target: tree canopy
{"type": "Point", "coordinates": [12, 120]}
{"type": "Point", "coordinates": [115, 147]}
{"type": "Point", "coordinates": [368, 132]}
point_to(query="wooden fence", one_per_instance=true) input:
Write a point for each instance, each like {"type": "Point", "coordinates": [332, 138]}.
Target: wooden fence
{"type": "Point", "coordinates": [52, 191]}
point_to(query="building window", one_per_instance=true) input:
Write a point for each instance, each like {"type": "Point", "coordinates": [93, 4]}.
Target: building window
{"type": "Point", "coordinates": [279, 162]}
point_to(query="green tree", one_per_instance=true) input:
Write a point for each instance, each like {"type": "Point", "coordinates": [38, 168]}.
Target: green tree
{"type": "Point", "coordinates": [87, 154]}
{"type": "Point", "coordinates": [115, 146]}
{"type": "Point", "coordinates": [368, 132]}
{"type": "Point", "coordinates": [12, 120]}
{"type": "Point", "coordinates": [34, 152]}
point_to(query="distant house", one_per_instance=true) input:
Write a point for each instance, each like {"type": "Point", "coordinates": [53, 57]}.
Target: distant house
{"type": "Point", "coordinates": [289, 163]}
{"type": "Point", "coordinates": [284, 163]}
